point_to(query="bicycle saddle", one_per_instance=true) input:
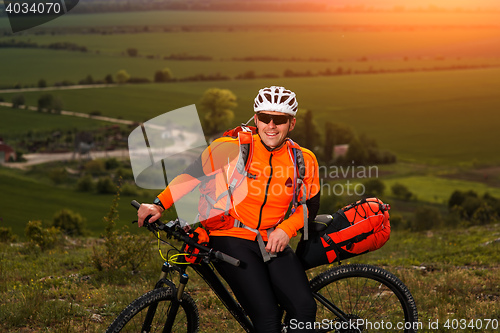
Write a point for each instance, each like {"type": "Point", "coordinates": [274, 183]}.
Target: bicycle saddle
{"type": "Point", "coordinates": [321, 222]}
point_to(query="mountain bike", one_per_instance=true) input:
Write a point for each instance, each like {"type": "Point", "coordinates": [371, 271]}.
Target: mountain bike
{"type": "Point", "coordinates": [350, 298]}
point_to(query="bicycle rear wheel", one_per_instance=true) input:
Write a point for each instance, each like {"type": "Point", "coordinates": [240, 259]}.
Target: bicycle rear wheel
{"type": "Point", "coordinates": [369, 298]}
{"type": "Point", "coordinates": [134, 316]}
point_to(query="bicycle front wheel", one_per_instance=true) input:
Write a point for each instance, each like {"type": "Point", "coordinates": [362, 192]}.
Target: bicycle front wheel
{"type": "Point", "coordinates": [363, 298]}
{"type": "Point", "coordinates": [157, 310]}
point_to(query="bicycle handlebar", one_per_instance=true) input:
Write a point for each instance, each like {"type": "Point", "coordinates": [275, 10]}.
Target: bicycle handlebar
{"type": "Point", "coordinates": [173, 228]}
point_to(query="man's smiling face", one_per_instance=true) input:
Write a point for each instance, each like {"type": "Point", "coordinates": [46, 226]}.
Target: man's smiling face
{"type": "Point", "coordinates": [273, 134]}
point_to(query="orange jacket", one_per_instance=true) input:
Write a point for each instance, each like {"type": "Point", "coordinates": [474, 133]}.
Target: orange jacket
{"type": "Point", "coordinates": [259, 203]}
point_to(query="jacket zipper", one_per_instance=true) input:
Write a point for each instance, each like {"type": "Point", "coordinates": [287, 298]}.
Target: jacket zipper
{"type": "Point", "coordinates": [267, 190]}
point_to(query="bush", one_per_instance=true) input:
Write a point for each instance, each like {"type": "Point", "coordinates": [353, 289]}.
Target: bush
{"type": "Point", "coordinates": [470, 205]}
{"type": "Point", "coordinates": [17, 101]}
{"type": "Point", "coordinates": [164, 75]}
{"type": "Point", "coordinates": [122, 76]}
{"type": "Point", "coordinates": [454, 217]}
{"type": "Point", "coordinates": [105, 185]}
{"type": "Point", "coordinates": [109, 79]}
{"type": "Point", "coordinates": [456, 199]}
{"type": "Point", "coordinates": [484, 214]}
{"type": "Point", "coordinates": [85, 184]}
{"type": "Point", "coordinates": [58, 175]}
{"type": "Point", "coordinates": [95, 167]}
{"type": "Point", "coordinates": [398, 222]}
{"type": "Point", "coordinates": [426, 218]}
{"type": "Point", "coordinates": [120, 249]}
{"type": "Point", "coordinates": [129, 189]}
{"type": "Point", "coordinates": [45, 102]}
{"type": "Point", "coordinates": [57, 105]}
{"type": "Point", "coordinates": [125, 174]}
{"type": "Point", "coordinates": [138, 80]}
{"type": "Point", "coordinates": [42, 83]}
{"type": "Point", "coordinates": [70, 223]}
{"type": "Point", "coordinates": [374, 187]}
{"type": "Point", "coordinates": [6, 235]}
{"type": "Point", "coordinates": [88, 80]}
{"type": "Point", "coordinates": [112, 163]}
{"type": "Point", "coordinates": [45, 238]}
{"type": "Point", "coordinates": [132, 52]}
{"type": "Point", "coordinates": [474, 209]}
{"type": "Point", "coordinates": [402, 192]}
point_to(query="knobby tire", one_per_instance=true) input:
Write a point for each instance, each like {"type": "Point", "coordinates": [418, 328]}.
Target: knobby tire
{"type": "Point", "coordinates": [367, 294]}
{"type": "Point", "coordinates": [131, 319]}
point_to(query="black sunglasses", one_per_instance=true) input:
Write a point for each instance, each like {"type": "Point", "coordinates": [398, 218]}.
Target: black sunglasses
{"type": "Point", "coordinates": [277, 119]}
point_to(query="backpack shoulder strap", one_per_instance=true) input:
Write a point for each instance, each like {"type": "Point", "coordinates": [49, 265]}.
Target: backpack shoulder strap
{"type": "Point", "coordinates": [245, 142]}
{"type": "Point", "coordinates": [300, 173]}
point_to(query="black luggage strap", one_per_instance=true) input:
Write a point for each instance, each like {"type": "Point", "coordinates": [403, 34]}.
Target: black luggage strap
{"type": "Point", "coordinates": [262, 247]}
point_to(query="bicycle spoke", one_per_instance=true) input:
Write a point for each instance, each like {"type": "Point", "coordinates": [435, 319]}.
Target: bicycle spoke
{"type": "Point", "coordinates": [183, 315]}
{"type": "Point", "coordinates": [367, 296]}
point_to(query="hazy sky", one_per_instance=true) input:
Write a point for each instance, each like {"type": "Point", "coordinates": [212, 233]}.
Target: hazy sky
{"type": "Point", "coordinates": [418, 3]}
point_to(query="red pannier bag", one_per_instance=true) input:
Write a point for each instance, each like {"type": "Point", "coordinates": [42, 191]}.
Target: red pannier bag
{"type": "Point", "coordinates": [358, 228]}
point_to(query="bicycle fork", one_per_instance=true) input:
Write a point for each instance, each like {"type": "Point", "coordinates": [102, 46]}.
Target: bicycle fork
{"type": "Point", "coordinates": [174, 305]}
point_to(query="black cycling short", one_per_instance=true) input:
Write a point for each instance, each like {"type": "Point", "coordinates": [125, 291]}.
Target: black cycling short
{"type": "Point", "coordinates": [261, 287]}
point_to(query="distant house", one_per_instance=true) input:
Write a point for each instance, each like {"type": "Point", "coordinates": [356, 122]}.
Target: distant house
{"type": "Point", "coordinates": [6, 152]}
{"type": "Point", "coordinates": [340, 150]}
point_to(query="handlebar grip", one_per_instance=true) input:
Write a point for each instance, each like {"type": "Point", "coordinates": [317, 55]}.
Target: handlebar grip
{"type": "Point", "coordinates": [135, 204]}
{"type": "Point", "coordinates": [226, 258]}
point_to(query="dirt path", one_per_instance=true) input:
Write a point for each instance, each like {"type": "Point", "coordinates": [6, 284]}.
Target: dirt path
{"type": "Point", "coordinates": [40, 158]}
{"type": "Point", "coordinates": [79, 114]}
{"type": "Point", "coordinates": [80, 86]}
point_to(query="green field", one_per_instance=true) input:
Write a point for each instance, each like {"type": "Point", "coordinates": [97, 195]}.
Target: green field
{"type": "Point", "coordinates": [433, 189]}
{"type": "Point", "coordinates": [443, 117]}
{"type": "Point", "coordinates": [15, 122]}
{"type": "Point", "coordinates": [24, 197]}
{"type": "Point", "coordinates": [225, 18]}
{"type": "Point", "coordinates": [330, 45]}
{"type": "Point", "coordinates": [99, 65]}
{"type": "Point", "coordinates": [383, 41]}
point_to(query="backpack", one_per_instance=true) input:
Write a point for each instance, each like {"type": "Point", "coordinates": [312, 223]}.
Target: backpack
{"type": "Point", "coordinates": [356, 229]}
{"type": "Point", "coordinates": [213, 218]}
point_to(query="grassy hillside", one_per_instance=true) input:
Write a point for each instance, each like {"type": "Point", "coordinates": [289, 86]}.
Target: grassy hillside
{"type": "Point", "coordinates": [33, 196]}
{"type": "Point", "coordinates": [61, 291]}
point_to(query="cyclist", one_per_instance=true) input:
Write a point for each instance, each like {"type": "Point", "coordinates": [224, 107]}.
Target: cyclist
{"type": "Point", "coordinates": [257, 224]}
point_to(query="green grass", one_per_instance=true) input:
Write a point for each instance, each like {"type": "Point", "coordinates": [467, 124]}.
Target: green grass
{"type": "Point", "coordinates": [435, 189]}
{"type": "Point", "coordinates": [57, 66]}
{"type": "Point", "coordinates": [304, 44]}
{"type": "Point", "coordinates": [26, 198]}
{"type": "Point", "coordinates": [444, 117]}
{"type": "Point", "coordinates": [452, 274]}
{"type": "Point", "coordinates": [19, 121]}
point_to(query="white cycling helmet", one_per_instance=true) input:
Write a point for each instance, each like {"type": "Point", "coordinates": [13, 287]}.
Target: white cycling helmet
{"type": "Point", "coordinates": [276, 99]}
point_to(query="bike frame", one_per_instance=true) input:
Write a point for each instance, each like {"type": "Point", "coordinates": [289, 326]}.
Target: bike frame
{"type": "Point", "coordinates": [207, 272]}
